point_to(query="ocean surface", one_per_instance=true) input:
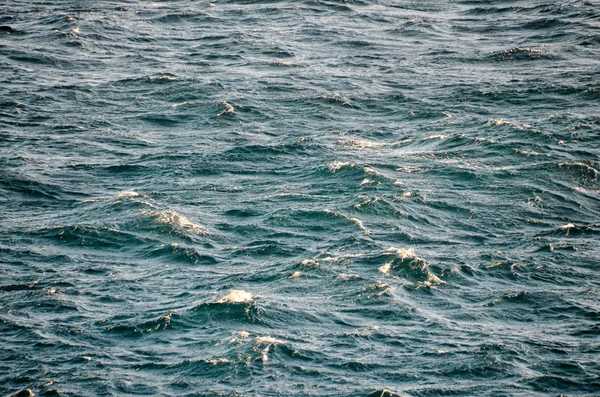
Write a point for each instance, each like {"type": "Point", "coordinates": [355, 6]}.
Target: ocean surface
{"type": "Point", "coordinates": [300, 198]}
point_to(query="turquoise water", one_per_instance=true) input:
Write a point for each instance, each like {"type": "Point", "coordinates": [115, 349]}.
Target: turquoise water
{"type": "Point", "coordinates": [307, 198]}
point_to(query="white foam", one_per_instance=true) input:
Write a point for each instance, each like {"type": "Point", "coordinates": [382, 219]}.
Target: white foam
{"type": "Point", "coordinates": [498, 122]}
{"type": "Point", "coordinates": [371, 171]}
{"type": "Point", "coordinates": [359, 143]}
{"type": "Point", "coordinates": [236, 296]}
{"type": "Point", "coordinates": [527, 153]}
{"type": "Point", "coordinates": [347, 277]}
{"type": "Point", "coordinates": [366, 202]}
{"type": "Point", "coordinates": [129, 193]}
{"type": "Point", "coordinates": [519, 126]}
{"type": "Point", "coordinates": [384, 288]}
{"type": "Point", "coordinates": [338, 165]}
{"type": "Point", "coordinates": [171, 217]}
{"type": "Point", "coordinates": [402, 253]}
{"type": "Point", "coordinates": [267, 339]}
{"type": "Point", "coordinates": [215, 361]}
{"type": "Point", "coordinates": [263, 354]}
{"type": "Point", "coordinates": [567, 226]}
{"type": "Point", "coordinates": [228, 109]}
{"type": "Point", "coordinates": [309, 262]}
{"type": "Point", "coordinates": [433, 279]}
{"type": "Point", "coordinates": [385, 269]}
{"type": "Point", "coordinates": [340, 257]}
{"type": "Point", "coordinates": [436, 137]}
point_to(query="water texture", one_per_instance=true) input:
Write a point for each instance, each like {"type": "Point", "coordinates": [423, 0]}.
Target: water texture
{"type": "Point", "coordinates": [300, 198]}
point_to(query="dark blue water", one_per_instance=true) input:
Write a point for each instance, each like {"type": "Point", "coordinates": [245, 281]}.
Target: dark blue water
{"type": "Point", "coordinates": [300, 198]}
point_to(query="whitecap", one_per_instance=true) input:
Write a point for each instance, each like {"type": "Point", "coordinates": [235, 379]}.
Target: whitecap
{"type": "Point", "coordinates": [402, 253]}
{"type": "Point", "coordinates": [567, 226]}
{"type": "Point", "coordinates": [228, 109]}
{"type": "Point", "coordinates": [385, 269]}
{"type": "Point", "coordinates": [267, 339]}
{"type": "Point", "coordinates": [371, 171]}
{"type": "Point", "coordinates": [127, 193]}
{"type": "Point", "coordinates": [171, 217]}
{"type": "Point", "coordinates": [236, 296]}
{"type": "Point", "coordinates": [310, 262]}
{"type": "Point", "coordinates": [215, 361]}
{"type": "Point", "coordinates": [359, 143]}
{"type": "Point", "coordinates": [430, 137]}
{"type": "Point", "coordinates": [526, 152]}
{"type": "Point", "coordinates": [433, 279]}
{"type": "Point", "coordinates": [519, 126]}
{"type": "Point", "coordinates": [366, 202]}
{"type": "Point", "coordinates": [346, 277]}
{"type": "Point", "coordinates": [338, 165]}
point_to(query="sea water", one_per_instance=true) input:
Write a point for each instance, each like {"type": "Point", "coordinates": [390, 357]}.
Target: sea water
{"type": "Point", "coordinates": [300, 198]}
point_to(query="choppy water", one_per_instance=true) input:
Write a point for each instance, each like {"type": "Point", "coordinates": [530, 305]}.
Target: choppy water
{"type": "Point", "coordinates": [300, 198]}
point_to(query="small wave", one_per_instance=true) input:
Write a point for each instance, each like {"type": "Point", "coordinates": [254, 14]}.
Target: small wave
{"type": "Point", "coordinates": [186, 255]}
{"type": "Point", "coordinates": [521, 54]}
{"type": "Point", "coordinates": [9, 30]}
{"type": "Point", "coordinates": [342, 257]}
{"type": "Point", "coordinates": [159, 324]}
{"type": "Point", "coordinates": [583, 168]}
{"type": "Point", "coordinates": [409, 265]}
{"type": "Point", "coordinates": [356, 221]}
